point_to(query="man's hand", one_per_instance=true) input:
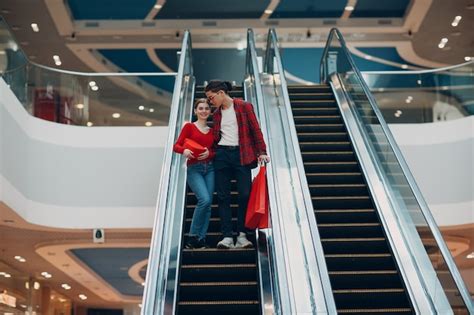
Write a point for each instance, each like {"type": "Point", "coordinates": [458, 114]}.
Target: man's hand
{"type": "Point", "coordinates": [263, 158]}
{"type": "Point", "coordinates": [203, 155]}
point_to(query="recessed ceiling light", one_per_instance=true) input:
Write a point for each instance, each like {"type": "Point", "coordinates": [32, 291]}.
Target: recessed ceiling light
{"type": "Point", "coordinates": [398, 113]}
{"type": "Point", "coordinates": [94, 88]}
{"type": "Point", "coordinates": [152, 110]}
{"type": "Point", "coordinates": [57, 60]}
{"type": "Point", "coordinates": [92, 83]}
{"type": "Point", "coordinates": [268, 11]}
{"type": "Point", "coordinates": [148, 124]}
{"type": "Point", "coordinates": [404, 67]}
{"type": "Point", "coordinates": [418, 81]}
{"type": "Point", "coordinates": [83, 297]}
{"type": "Point", "coordinates": [456, 20]}
{"type": "Point", "coordinates": [157, 6]}
{"type": "Point", "coordinates": [116, 115]}
{"type": "Point", "coordinates": [444, 40]}
{"type": "Point", "coordinates": [349, 8]}
{"type": "Point", "coordinates": [89, 124]}
{"type": "Point", "coordinates": [36, 285]}
{"type": "Point", "coordinates": [470, 256]}
{"type": "Point", "coordinates": [66, 286]}
{"type": "Point", "coordinates": [368, 57]}
{"type": "Point", "coordinates": [240, 46]}
{"type": "Point", "coordinates": [79, 106]}
{"type": "Point", "coordinates": [467, 58]}
{"type": "Point", "coordinates": [35, 27]}
{"type": "Point", "coordinates": [141, 107]}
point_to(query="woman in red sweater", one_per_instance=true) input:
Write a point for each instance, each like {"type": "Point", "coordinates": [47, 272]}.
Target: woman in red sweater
{"type": "Point", "coordinates": [200, 172]}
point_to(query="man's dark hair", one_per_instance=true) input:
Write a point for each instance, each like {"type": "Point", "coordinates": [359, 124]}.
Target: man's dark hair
{"type": "Point", "coordinates": [218, 85]}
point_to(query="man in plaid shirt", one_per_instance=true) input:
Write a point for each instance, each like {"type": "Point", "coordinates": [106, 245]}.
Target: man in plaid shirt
{"type": "Point", "coordinates": [239, 145]}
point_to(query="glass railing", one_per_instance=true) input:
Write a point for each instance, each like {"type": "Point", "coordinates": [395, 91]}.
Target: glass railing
{"type": "Point", "coordinates": [163, 263]}
{"type": "Point", "coordinates": [299, 255]}
{"type": "Point", "coordinates": [436, 270]}
{"type": "Point", "coordinates": [424, 96]}
{"type": "Point", "coordinates": [269, 278]}
{"type": "Point", "coordinates": [85, 99]}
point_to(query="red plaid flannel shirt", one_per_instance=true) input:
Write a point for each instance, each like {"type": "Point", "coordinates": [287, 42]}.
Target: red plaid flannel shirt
{"type": "Point", "coordinates": [251, 141]}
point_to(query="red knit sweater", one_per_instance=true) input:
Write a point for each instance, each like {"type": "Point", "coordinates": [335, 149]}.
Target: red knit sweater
{"type": "Point", "coordinates": [192, 132]}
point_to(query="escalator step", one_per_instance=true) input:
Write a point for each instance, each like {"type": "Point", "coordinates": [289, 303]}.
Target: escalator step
{"type": "Point", "coordinates": [329, 156]}
{"type": "Point", "coordinates": [214, 224]}
{"type": "Point", "coordinates": [350, 230]}
{"type": "Point", "coordinates": [338, 189]}
{"type": "Point", "coordinates": [366, 279]}
{"type": "Point", "coordinates": [320, 127]}
{"type": "Point", "coordinates": [302, 104]}
{"type": "Point", "coordinates": [335, 178]}
{"type": "Point", "coordinates": [346, 216]}
{"type": "Point", "coordinates": [348, 262]}
{"type": "Point", "coordinates": [346, 246]}
{"type": "Point", "coordinates": [316, 111]}
{"type": "Point", "coordinates": [218, 256]}
{"type": "Point", "coordinates": [309, 89]}
{"type": "Point", "coordinates": [311, 96]}
{"type": "Point", "coordinates": [381, 311]}
{"type": "Point", "coordinates": [218, 272]}
{"type": "Point", "coordinates": [317, 119]}
{"type": "Point", "coordinates": [371, 298]}
{"type": "Point", "coordinates": [219, 307]}
{"type": "Point", "coordinates": [218, 291]}
{"type": "Point", "coordinates": [326, 146]}
{"type": "Point", "coordinates": [341, 202]}
{"type": "Point", "coordinates": [322, 136]}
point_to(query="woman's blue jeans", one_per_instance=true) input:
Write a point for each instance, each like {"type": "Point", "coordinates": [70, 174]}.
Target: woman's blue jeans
{"type": "Point", "coordinates": [201, 182]}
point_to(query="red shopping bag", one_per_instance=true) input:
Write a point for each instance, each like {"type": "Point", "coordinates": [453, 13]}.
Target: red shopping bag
{"type": "Point", "coordinates": [257, 209]}
{"type": "Point", "coordinates": [195, 147]}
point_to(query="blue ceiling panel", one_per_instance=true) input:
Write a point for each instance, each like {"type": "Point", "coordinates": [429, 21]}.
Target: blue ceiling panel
{"type": "Point", "coordinates": [302, 62]}
{"type": "Point", "coordinates": [112, 265]}
{"type": "Point", "coordinates": [110, 9]}
{"type": "Point", "coordinates": [380, 8]}
{"type": "Point", "coordinates": [291, 9]}
{"type": "Point", "coordinates": [212, 9]}
{"type": "Point", "coordinates": [386, 53]}
{"type": "Point", "coordinates": [137, 60]}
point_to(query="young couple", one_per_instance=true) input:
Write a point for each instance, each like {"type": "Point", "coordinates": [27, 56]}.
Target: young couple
{"type": "Point", "coordinates": [233, 146]}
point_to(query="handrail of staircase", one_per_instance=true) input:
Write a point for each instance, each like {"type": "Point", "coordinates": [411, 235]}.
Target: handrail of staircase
{"type": "Point", "coordinates": [270, 280]}
{"type": "Point", "coordinates": [160, 285]}
{"type": "Point", "coordinates": [326, 69]}
{"type": "Point", "coordinates": [312, 267]}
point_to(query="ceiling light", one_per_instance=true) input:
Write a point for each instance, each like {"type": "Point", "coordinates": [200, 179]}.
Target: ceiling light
{"type": "Point", "coordinates": [398, 113]}
{"type": "Point", "coordinates": [22, 260]}
{"type": "Point", "coordinates": [368, 57]}
{"type": "Point", "coordinates": [94, 88]}
{"type": "Point", "coordinates": [158, 6]}
{"type": "Point", "coordinates": [89, 124]}
{"type": "Point", "coordinates": [467, 58]}
{"type": "Point", "coordinates": [441, 45]}
{"type": "Point", "coordinates": [444, 40]}
{"type": "Point", "coordinates": [66, 286]}
{"type": "Point", "coordinates": [418, 81]}
{"type": "Point", "coordinates": [57, 60]}
{"type": "Point", "coordinates": [241, 46]}
{"type": "Point", "coordinates": [83, 297]}
{"type": "Point", "coordinates": [116, 115]}
{"type": "Point", "coordinates": [152, 110]}
{"type": "Point", "coordinates": [36, 285]}
{"type": "Point", "coordinates": [7, 275]}
{"type": "Point", "coordinates": [141, 107]}
{"type": "Point", "coordinates": [268, 11]}
{"type": "Point", "coordinates": [45, 274]}
{"type": "Point", "coordinates": [143, 284]}
{"type": "Point", "coordinates": [92, 83]}
{"type": "Point", "coordinates": [148, 124]}
{"type": "Point", "coordinates": [470, 256]}
{"type": "Point", "coordinates": [27, 285]}
{"type": "Point", "coordinates": [349, 8]}
{"type": "Point", "coordinates": [79, 106]}
{"type": "Point", "coordinates": [35, 27]}
{"type": "Point", "coordinates": [404, 67]}
{"type": "Point", "coordinates": [456, 20]}
{"type": "Point", "coordinates": [139, 305]}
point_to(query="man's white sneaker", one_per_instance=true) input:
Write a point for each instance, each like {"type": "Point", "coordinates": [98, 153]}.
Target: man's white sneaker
{"type": "Point", "coordinates": [226, 243]}
{"type": "Point", "coordinates": [243, 242]}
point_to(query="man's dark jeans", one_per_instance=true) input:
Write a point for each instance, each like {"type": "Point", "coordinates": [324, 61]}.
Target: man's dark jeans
{"type": "Point", "coordinates": [227, 166]}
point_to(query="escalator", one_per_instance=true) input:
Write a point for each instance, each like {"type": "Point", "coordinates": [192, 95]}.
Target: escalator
{"type": "Point", "coordinates": [217, 281]}
{"type": "Point", "coordinates": [363, 272]}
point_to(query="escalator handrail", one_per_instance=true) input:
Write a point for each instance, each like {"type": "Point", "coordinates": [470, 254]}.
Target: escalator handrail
{"type": "Point", "coordinates": [404, 166]}
{"type": "Point", "coordinates": [324, 300]}
{"type": "Point", "coordinates": [270, 291]}
{"type": "Point", "coordinates": [425, 71]}
{"type": "Point", "coordinates": [155, 284]}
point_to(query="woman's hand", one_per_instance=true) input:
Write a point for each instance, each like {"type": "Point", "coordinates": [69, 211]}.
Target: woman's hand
{"type": "Point", "coordinates": [203, 155]}
{"type": "Point", "coordinates": [188, 154]}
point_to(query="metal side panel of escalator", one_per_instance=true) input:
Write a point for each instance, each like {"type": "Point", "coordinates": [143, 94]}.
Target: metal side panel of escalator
{"type": "Point", "coordinates": [217, 281]}
{"type": "Point", "coordinates": [363, 272]}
